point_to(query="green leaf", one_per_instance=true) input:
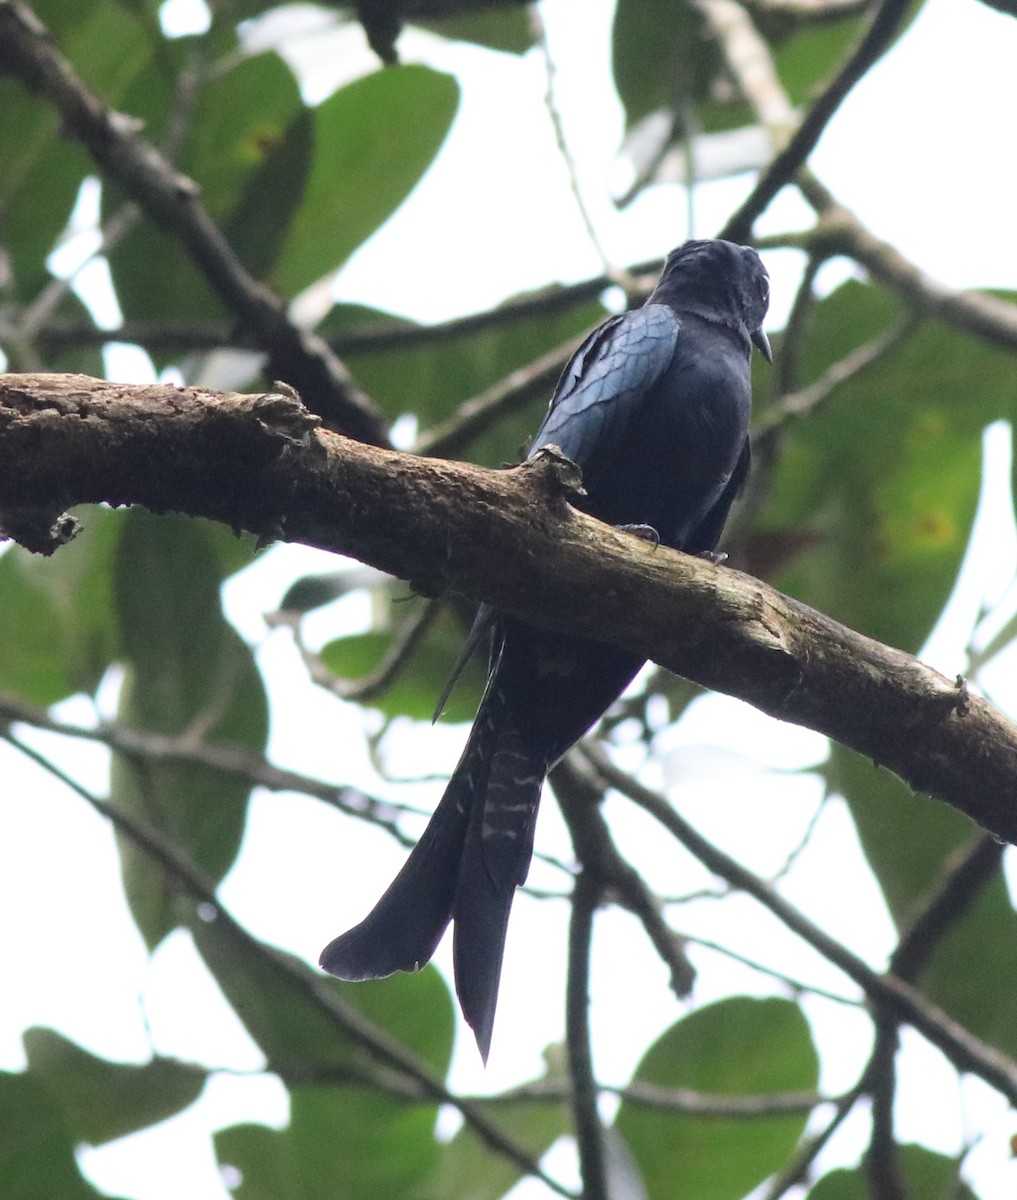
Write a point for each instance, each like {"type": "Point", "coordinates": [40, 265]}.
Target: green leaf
{"type": "Point", "coordinates": [40, 170]}
{"type": "Point", "coordinates": [908, 841]}
{"type": "Point", "coordinates": [373, 141]}
{"type": "Point", "coordinates": [339, 1142]}
{"type": "Point", "coordinates": [248, 148]}
{"type": "Point", "coordinates": [314, 591]}
{"type": "Point", "coordinates": [466, 1167]}
{"type": "Point", "coordinates": [884, 478]}
{"type": "Point", "coordinates": [36, 1150]}
{"type": "Point", "coordinates": [102, 1100]}
{"type": "Point", "coordinates": [736, 1047]}
{"type": "Point", "coordinates": [925, 1174]}
{"type": "Point", "coordinates": [299, 1038]}
{"type": "Point", "coordinates": [661, 51]}
{"type": "Point", "coordinates": [188, 674]}
{"type": "Point", "coordinates": [510, 29]}
{"type": "Point", "coordinates": [59, 630]}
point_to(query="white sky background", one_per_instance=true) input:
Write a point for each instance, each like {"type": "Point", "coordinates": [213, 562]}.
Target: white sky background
{"type": "Point", "coordinates": [923, 151]}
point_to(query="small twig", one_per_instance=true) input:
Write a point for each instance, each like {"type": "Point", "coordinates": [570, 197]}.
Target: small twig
{"type": "Point", "coordinates": [123, 220]}
{"type": "Point", "coordinates": [370, 337]}
{"type": "Point", "coordinates": [554, 115]}
{"type": "Point", "coordinates": [796, 986]}
{"type": "Point", "coordinates": [803, 844]}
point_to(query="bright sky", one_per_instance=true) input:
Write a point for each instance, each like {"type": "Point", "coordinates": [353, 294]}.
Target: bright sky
{"type": "Point", "coordinates": [923, 153]}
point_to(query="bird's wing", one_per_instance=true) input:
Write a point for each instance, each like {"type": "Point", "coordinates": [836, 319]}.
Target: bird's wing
{"type": "Point", "coordinates": [603, 384]}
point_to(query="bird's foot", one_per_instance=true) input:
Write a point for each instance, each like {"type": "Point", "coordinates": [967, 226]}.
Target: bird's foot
{"type": "Point", "coordinates": [646, 532]}
{"type": "Point", "coordinates": [713, 556]}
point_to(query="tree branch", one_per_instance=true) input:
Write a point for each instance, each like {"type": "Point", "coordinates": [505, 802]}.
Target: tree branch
{"type": "Point", "coordinates": [262, 463]}
{"type": "Point", "coordinates": [841, 232]}
{"type": "Point", "coordinates": [172, 202]}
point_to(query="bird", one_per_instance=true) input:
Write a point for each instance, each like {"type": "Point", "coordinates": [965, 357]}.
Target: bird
{"type": "Point", "coordinates": [654, 409]}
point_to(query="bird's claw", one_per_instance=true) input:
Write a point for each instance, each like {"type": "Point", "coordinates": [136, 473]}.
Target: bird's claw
{"type": "Point", "coordinates": [646, 532]}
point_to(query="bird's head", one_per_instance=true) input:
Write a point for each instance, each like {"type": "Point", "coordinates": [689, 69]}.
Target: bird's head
{"type": "Point", "coordinates": [719, 281]}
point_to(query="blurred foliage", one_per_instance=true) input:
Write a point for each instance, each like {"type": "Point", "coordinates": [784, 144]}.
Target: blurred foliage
{"type": "Point", "coordinates": [737, 1047]}
{"type": "Point", "coordinates": [869, 506]}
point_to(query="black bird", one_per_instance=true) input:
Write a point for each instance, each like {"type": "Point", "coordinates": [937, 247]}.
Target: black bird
{"type": "Point", "coordinates": [654, 408]}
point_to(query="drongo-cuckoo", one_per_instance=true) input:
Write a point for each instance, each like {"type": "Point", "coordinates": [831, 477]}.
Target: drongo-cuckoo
{"type": "Point", "coordinates": [654, 409]}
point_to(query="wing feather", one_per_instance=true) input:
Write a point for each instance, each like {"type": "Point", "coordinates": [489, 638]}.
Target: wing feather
{"type": "Point", "coordinates": [603, 383]}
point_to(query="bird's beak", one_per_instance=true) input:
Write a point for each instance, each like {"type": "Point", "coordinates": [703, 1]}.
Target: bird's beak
{"type": "Point", "coordinates": [762, 344]}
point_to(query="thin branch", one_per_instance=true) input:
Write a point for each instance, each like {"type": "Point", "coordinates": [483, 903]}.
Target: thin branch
{"type": "Point", "coordinates": [589, 1128]}
{"type": "Point", "coordinates": [802, 845]}
{"type": "Point", "coordinates": [785, 165]}
{"type": "Point", "coordinates": [964, 1050]}
{"type": "Point", "coordinates": [804, 402]}
{"type": "Point", "coordinates": [882, 1159]}
{"type": "Point", "coordinates": [172, 202]}
{"type": "Point", "coordinates": [239, 762]}
{"type": "Point", "coordinates": [686, 1101]}
{"type": "Point", "coordinates": [185, 93]}
{"type": "Point", "coordinates": [370, 337]}
{"type": "Point", "coordinates": [474, 417]}
{"type": "Point", "coordinates": [397, 655]}
{"type": "Point", "coordinates": [346, 1019]}
{"type": "Point", "coordinates": [961, 878]}
{"type": "Point", "coordinates": [787, 368]}
{"type": "Point", "coordinates": [579, 793]}
{"type": "Point", "coordinates": [795, 1171]}
{"type": "Point", "coordinates": [554, 115]}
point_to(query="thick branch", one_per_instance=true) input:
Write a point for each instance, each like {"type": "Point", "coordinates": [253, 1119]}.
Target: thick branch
{"type": "Point", "coordinates": [261, 463]}
{"type": "Point", "coordinates": [172, 202]}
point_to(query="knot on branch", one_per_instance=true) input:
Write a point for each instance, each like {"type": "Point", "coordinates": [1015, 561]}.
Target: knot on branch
{"type": "Point", "coordinates": [39, 530]}
{"type": "Point", "coordinates": [553, 476]}
{"type": "Point", "coordinates": [285, 415]}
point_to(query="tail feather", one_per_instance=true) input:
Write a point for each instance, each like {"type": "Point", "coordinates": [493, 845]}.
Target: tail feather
{"type": "Point", "coordinates": [404, 928]}
{"type": "Point", "coordinates": [496, 859]}
{"type": "Point", "coordinates": [466, 867]}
